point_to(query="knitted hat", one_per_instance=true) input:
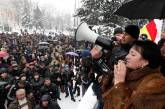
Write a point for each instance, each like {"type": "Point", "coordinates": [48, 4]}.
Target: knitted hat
{"type": "Point", "coordinates": [3, 70]}
{"type": "Point", "coordinates": [133, 31]}
{"type": "Point", "coordinates": [45, 98]}
{"type": "Point", "coordinates": [118, 30]}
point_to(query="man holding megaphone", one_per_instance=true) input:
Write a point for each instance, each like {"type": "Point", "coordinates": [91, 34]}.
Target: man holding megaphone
{"type": "Point", "coordinates": [124, 41]}
{"type": "Point", "coordinates": [117, 37]}
{"type": "Point", "coordinates": [130, 34]}
{"type": "Point", "coordinates": [83, 32]}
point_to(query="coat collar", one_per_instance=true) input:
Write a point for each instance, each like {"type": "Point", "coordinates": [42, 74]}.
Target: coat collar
{"type": "Point", "coordinates": [139, 73]}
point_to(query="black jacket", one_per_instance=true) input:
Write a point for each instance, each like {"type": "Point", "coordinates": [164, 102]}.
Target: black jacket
{"type": "Point", "coordinates": [51, 90]}
{"type": "Point", "coordinates": [51, 105]}
{"type": "Point", "coordinates": [118, 53]}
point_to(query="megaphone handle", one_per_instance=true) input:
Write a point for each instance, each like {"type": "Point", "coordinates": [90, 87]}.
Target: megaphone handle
{"type": "Point", "coordinates": [96, 52]}
{"type": "Point", "coordinates": [108, 44]}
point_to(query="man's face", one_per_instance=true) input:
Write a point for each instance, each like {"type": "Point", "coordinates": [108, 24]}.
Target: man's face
{"type": "Point", "coordinates": [15, 67]}
{"type": "Point", "coordinates": [42, 66]}
{"type": "Point", "coordinates": [163, 35]}
{"type": "Point", "coordinates": [163, 50]}
{"type": "Point", "coordinates": [33, 56]}
{"type": "Point", "coordinates": [14, 50]}
{"type": "Point", "coordinates": [50, 68]}
{"type": "Point", "coordinates": [20, 96]}
{"type": "Point", "coordinates": [23, 78]}
{"type": "Point", "coordinates": [45, 103]}
{"type": "Point", "coordinates": [31, 66]}
{"type": "Point", "coordinates": [119, 37]}
{"type": "Point", "coordinates": [126, 38]}
{"type": "Point", "coordinates": [4, 75]}
{"type": "Point", "coordinates": [36, 76]}
{"type": "Point", "coordinates": [47, 82]}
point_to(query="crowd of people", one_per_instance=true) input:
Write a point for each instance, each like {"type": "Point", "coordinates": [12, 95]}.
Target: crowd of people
{"type": "Point", "coordinates": [30, 73]}
{"type": "Point", "coordinates": [33, 77]}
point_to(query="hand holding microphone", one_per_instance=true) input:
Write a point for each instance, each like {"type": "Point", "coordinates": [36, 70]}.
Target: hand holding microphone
{"type": "Point", "coordinates": [119, 72]}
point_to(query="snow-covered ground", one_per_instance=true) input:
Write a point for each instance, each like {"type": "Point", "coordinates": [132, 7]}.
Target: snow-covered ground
{"type": "Point", "coordinates": [67, 103]}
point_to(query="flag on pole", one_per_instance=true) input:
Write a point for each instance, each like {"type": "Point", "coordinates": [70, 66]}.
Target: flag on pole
{"type": "Point", "coordinates": [153, 30]}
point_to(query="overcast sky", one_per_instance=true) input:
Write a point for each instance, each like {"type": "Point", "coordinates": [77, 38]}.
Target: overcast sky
{"type": "Point", "coordinates": [62, 5]}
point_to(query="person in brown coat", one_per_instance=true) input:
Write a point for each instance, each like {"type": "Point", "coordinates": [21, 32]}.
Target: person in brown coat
{"type": "Point", "coordinates": [22, 102]}
{"type": "Point", "coordinates": [137, 83]}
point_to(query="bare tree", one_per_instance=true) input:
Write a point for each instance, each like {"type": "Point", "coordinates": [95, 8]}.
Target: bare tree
{"type": "Point", "coordinates": [38, 18]}
{"type": "Point", "coordinates": [17, 4]}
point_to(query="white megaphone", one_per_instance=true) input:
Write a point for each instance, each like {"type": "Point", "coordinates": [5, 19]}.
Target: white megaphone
{"type": "Point", "coordinates": [83, 32]}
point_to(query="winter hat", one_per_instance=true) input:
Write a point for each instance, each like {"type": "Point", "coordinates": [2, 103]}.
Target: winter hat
{"type": "Point", "coordinates": [3, 70]}
{"type": "Point", "coordinates": [36, 73]}
{"type": "Point", "coordinates": [22, 75]}
{"type": "Point", "coordinates": [133, 31]}
{"type": "Point", "coordinates": [45, 98]}
{"type": "Point", "coordinates": [14, 63]}
{"type": "Point", "coordinates": [118, 30]}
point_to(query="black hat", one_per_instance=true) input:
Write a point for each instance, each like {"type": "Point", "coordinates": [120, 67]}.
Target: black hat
{"type": "Point", "coordinates": [51, 65]}
{"type": "Point", "coordinates": [14, 64]}
{"type": "Point", "coordinates": [133, 31]}
{"type": "Point", "coordinates": [36, 73]}
{"type": "Point", "coordinates": [118, 30]}
{"type": "Point", "coordinates": [22, 75]}
{"type": "Point", "coordinates": [45, 98]}
{"type": "Point", "coordinates": [3, 70]}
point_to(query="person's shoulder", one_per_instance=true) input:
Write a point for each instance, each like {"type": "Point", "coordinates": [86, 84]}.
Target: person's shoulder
{"type": "Point", "coordinates": [153, 83]}
{"type": "Point", "coordinates": [13, 104]}
{"type": "Point", "coordinates": [55, 104]}
{"type": "Point", "coordinates": [37, 107]}
{"type": "Point", "coordinates": [53, 85]}
{"type": "Point", "coordinates": [42, 87]}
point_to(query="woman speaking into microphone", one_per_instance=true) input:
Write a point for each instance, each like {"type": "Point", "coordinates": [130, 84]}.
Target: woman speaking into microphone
{"type": "Point", "coordinates": [138, 83]}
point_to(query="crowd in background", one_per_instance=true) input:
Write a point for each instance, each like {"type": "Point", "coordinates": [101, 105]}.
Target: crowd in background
{"type": "Point", "coordinates": [37, 69]}
{"type": "Point", "coordinates": [35, 76]}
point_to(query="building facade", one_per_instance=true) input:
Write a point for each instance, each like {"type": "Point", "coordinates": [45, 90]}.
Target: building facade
{"type": "Point", "coordinates": [7, 16]}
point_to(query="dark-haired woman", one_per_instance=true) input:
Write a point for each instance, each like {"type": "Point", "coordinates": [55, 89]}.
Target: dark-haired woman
{"type": "Point", "coordinates": [138, 83]}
